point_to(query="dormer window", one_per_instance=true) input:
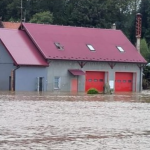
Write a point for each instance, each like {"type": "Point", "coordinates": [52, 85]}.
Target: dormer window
{"type": "Point", "coordinates": [91, 48]}
{"type": "Point", "coordinates": [59, 46]}
{"type": "Point", "coordinates": [120, 48]}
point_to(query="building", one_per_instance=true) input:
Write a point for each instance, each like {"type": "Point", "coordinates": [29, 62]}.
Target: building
{"type": "Point", "coordinates": [63, 58]}
{"type": "Point", "coordinates": [21, 64]}
{"type": "Point", "coordinates": [9, 25]}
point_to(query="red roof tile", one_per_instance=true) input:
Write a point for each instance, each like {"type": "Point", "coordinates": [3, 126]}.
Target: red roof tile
{"type": "Point", "coordinates": [75, 39]}
{"type": "Point", "coordinates": [19, 46]}
{"type": "Point", "coordinates": [11, 25]}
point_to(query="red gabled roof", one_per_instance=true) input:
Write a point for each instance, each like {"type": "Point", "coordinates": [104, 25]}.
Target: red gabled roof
{"type": "Point", "coordinates": [20, 47]}
{"type": "Point", "coordinates": [75, 39]}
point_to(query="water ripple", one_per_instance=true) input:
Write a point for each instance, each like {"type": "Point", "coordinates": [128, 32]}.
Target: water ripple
{"type": "Point", "coordinates": [43, 121]}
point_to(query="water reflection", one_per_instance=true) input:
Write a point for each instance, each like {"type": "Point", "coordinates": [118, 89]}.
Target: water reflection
{"type": "Point", "coordinates": [65, 121]}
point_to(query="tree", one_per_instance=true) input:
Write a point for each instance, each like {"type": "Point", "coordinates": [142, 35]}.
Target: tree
{"type": "Point", "coordinates": [100, 13]}
{"type": "Point", "coordinates": [146, 71]}
{"type": "Point", "coordinates": [145, 50]}
{"type": "Point", "coordinates": [42, 17]}
{"type": "Point", "coordinates": [3, 9]}
{"type": "Point", "coordinates": [145, 11]}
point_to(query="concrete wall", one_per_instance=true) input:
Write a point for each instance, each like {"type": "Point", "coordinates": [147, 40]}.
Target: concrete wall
{"type": "Point", "coordinates": [26, 78]}
{"type": "Point", "coordinates": [6, 66]}
{"type": "Point", "coordinates": [60, 69]}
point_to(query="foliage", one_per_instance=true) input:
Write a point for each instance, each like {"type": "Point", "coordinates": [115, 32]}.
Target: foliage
{"type": "Point", "coordinates": [145, 11]}
{"type": "Point", "coordinates": [98, 13]}
{"type": "Point", "coordinates": [42, 17]}
{"type": "Point", "coordinates": [87, 13]}
{"type": "Point", "coordinates": [145, 50]}
{"type": "Point", "coordinates": [146, 72]}
{"type": "Point", "coordinates": [146, 77]}
{"type": "Point", "coordinates": [145, 84]}
{"type": "Point", "coordinates": [92, 91]}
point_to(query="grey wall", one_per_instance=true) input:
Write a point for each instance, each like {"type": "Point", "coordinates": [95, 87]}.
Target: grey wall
{"type": "Point", "coordinates": [26, 78]}
{"type": "Point", "coordinates": [60, 68]}
{"type": "Point", "coordinates": [6, 66]}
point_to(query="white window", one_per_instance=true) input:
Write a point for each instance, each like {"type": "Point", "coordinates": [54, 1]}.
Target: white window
{"type": "Point", "coordinates": [57, 83]}
{"type": "Point", "coordinates": [90, 47]}
{"type": "Point", "coordinates": [120, 49]}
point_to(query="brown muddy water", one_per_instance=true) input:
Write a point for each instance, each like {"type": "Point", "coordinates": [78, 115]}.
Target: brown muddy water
{"type": "Point", "coordinates": [43, 121]}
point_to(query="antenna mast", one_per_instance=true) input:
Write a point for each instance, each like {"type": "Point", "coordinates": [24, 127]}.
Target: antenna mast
{"type": "Point", "coordinates": [138, 30]}
{"type": "Point", "coordinates": [21, 10]}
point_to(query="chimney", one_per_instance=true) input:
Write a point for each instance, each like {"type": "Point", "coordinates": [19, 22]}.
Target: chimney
{"type": "Point", "coordinates": [138, 30]}
{"type": "Point", "coordinates": [113, 26]}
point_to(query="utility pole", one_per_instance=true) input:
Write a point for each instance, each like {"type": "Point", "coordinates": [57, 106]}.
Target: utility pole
{"type": "Point", "coordinates": [21, 10]}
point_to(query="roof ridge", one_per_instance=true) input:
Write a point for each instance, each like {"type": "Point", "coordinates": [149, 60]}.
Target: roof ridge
{"type": "Point", "coordinates": [8, 29]}
{"type": "Point", "coordinates": [11, 22]}
{"type": "Point", "coordinates": [72, 26]}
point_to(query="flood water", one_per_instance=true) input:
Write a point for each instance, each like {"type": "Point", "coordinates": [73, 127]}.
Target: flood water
{"type": "Point", "coordinates": [43, 121]}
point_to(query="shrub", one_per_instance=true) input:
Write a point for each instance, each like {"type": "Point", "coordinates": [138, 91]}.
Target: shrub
{"type": "Point", "coordinates": [145, 83]}
{"type": "Point", "coordinates": [92, 91]}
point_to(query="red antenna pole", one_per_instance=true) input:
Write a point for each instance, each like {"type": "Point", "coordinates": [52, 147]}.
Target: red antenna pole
{"type": "Point", "coordinates": [138, 30]}
{"type": "Point", "coordinates": [138, 25]}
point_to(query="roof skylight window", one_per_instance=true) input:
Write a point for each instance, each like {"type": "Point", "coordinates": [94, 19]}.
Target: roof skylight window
{"type": "Point", "coordinates": [58, 45]}
{"type": "Point", "coordinates": [120, 49]}
{"type": "Point", "coordinates": [91, 48]}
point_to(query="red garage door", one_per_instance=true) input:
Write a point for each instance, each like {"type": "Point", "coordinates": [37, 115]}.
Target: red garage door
{"type": "Point", "coordinates": [123, 81]}
{"type": "Point", "coordinates": [94, 79]}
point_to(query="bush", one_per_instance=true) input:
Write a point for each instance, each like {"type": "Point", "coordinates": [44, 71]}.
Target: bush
{"type": "Point", "coordinates": [145, 84]}
{"type": "Point", "coordinates": [92, 91]}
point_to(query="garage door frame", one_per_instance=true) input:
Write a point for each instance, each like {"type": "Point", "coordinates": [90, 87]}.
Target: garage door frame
{"type": "Point", "coordinates": [105, 79]}
{"type": "Point", "coordinates": [134, 77]}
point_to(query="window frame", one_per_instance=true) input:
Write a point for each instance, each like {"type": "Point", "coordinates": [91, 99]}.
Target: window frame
{"type": "Point", "coordinates": [120, 49]}
{"type": "Point", "coordinates": [57, 83]}
{"type": "Point", "coordinates": [90, 47]}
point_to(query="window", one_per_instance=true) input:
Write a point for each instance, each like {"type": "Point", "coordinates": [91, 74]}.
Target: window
{"type": "Point", "coordinates": [57, 83]}
{"type": "Point", "coordinates": [95, 80]}
{"type": "Point", "coordinates": [91, 48]}
{"type": "Point", "coordinates": [120, 48]}
{"type": "Point", "coordinates": [58, 45]}
{"type": "Point", "coordinates": [101, 80]}
{"type": "Point", "coordinates": [90, 80]}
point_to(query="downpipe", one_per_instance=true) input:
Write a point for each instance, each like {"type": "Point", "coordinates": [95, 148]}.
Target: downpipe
{"type": "Point", "coordinates": [14, 79]}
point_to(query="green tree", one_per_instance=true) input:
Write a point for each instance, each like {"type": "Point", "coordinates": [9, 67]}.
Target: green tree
{"type": "Point", "coordinates": [3, 9]}
{"type": "Point", "coordinates": [42, 17]}
{"type": "Point", "coordinates": [145, 50]}
{"type": "Point", "coordinates": [100, 13]}
{"type": "Point", "coordinates": [145, 11]}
